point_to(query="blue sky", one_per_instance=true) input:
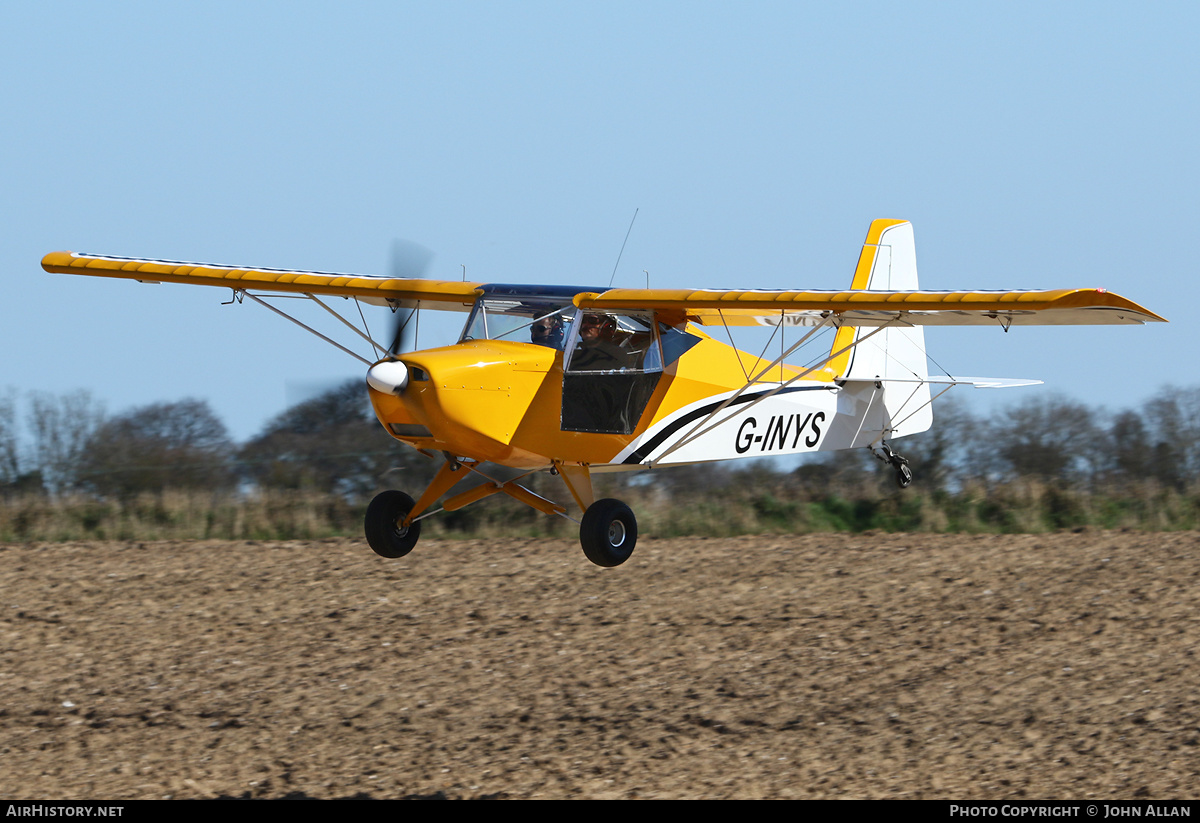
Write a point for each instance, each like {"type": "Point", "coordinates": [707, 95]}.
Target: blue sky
{"type": "Point", "coordinates": [1032, 146]}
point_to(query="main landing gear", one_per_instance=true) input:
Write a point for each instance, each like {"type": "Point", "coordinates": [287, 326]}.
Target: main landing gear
{"type": "Point", "coordinates": [904, 475]}
{"type": "Point", "coordinates": [385, 534]}
{"type": "Point", "coordinates": [607, 532]}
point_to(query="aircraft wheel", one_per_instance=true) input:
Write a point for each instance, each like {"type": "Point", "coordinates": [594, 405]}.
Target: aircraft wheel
{"type": "Point", "coordinates": [904, 476]}
{"type": "Point", "coordinates": [385, 537]}
{"type": "Point", "coordinates": [608, 532]}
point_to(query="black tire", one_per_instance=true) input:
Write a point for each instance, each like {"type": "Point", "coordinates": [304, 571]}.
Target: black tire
{"type": "Point", "coordinates": [904, 475]}
{"type": "Point", "coordinates": [608, 532]}
{"type": "Point", "coordinates": [384, 536]}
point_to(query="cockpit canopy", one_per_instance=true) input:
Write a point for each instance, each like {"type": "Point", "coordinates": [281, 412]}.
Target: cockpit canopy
{"type": "Point", "coordinates": [591, 341]}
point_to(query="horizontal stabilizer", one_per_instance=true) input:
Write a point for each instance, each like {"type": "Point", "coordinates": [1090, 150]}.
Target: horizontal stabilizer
{"type": "Point", "coordinates": [991, 382]}
{"type": "Point", "coordinates": [977, 382]}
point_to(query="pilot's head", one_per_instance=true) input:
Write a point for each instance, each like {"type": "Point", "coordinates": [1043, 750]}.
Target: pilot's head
{"type": "Point", "coordinates": [597, 327]}
{"type": "Point", "coordinates": [547, 331]}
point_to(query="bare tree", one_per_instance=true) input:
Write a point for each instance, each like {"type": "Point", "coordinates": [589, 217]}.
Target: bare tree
{"type": "Point", "coordinates": [1173, 418]}
{"type": "Point", "coordinates": [1051, 438]}
{"type": "Point", "coordinates": [1132, 454]}
{"type": "Point", "coordinates": [151, 448]}
{"type": "Point", "coordinates": [10, 464]}
{"type": "Point", "coordinates": [62, 426]}
{"type": "Point", "coordinates": [332, 443]}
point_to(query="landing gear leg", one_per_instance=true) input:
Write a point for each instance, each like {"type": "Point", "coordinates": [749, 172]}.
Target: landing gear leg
{"type": "Point", "coordinates": [904, 475]}
{"type": "Point", "coordinates": [390, 526]}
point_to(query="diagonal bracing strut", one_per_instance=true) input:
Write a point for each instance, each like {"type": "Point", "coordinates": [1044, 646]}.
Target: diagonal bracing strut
{"type": "Point", "coordinates": [702, 427]}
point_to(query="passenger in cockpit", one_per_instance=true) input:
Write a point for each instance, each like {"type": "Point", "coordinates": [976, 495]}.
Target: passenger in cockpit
{"type": "Point", "coordinates": [547, 331]}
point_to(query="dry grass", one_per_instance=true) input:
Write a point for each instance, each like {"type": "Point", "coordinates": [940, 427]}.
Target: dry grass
{"type": "Point", "coordinates": [1026, 506]}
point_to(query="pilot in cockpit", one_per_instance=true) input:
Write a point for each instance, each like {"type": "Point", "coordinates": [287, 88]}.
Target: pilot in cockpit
{"type": "Point", "coordinates": [598, 349]}
{"type": "Point", "coordinates": [547, 331]}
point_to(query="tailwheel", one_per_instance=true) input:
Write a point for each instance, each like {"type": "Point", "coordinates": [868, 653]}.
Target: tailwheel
{"type": "Point", "coordinates": [384, 533]}
{"type": "Point", "coordinates": [904, 474]}
{"type": "Point", "coordinates": [608, 532]}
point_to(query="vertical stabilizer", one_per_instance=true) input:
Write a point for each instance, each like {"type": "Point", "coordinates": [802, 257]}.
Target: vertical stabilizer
{"type": "Point", "coordinates": [889, 263]}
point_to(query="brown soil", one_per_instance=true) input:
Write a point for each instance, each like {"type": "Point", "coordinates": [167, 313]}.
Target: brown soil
{"type": "Point", "coordinates": [878, 665]}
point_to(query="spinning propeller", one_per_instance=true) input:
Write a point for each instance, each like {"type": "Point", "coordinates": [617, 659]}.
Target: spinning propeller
{"type": "Point", "coordinates": [409, 260]}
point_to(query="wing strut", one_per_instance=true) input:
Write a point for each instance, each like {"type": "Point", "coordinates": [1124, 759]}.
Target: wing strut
{"type": "Point", "coordinates": [923, 405]}
{"type": "Point", "coordinates": [310, 329]}
{"type": "Point", "coordinates": [346, 322]}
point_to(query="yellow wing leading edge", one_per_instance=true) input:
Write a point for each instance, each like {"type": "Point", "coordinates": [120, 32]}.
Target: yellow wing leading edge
{"type": "Point", "coordinates": [449, 292]}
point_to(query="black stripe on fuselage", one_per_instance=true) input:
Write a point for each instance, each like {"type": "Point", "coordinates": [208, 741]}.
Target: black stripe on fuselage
{"type": "Point", "coordinates": [646, 449]}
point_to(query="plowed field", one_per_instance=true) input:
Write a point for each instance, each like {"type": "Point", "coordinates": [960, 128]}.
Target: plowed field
{"type": "Point", "coordinates": [868, 665]}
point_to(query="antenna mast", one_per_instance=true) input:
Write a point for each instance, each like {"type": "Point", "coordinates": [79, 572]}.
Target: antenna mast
{"type": "Point", "coordinates": [626, 240]}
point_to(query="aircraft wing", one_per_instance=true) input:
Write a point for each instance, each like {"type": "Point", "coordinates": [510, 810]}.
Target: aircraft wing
{"type": "Point", "coordinates": [374, 288]}
{"type": "Point", "coordinates": [861, 307]}
{"type": "Point", "coordinates": [854, 307]}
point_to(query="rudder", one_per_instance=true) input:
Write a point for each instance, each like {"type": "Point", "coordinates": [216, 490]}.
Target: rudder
{"type": "Point", "coordinates": [888, 262]}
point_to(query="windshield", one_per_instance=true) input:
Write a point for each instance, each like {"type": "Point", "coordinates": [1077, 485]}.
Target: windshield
{"type": "Point", "coordinates": [527, 320]}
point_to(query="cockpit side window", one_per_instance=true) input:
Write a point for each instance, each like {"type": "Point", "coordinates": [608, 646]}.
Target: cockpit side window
{"type": "Point", "coordinates": [602, 342]}
{"type": "Point", "coordinates": [675, 342]}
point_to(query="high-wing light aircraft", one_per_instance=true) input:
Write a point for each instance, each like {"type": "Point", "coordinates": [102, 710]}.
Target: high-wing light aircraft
{"type": "Point", "coordinates": [574, 380]}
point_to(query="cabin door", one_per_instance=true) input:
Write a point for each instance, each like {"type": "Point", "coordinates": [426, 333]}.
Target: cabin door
{"type": "Point", "coordinates": [612, 365]}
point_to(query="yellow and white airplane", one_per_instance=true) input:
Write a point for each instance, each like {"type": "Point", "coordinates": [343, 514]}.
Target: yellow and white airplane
{"type": "Point", "coordinates": [575, 380]}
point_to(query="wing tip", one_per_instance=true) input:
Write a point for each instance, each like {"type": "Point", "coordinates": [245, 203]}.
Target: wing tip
{"type": "Point", "coordinates": [55, 261]}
